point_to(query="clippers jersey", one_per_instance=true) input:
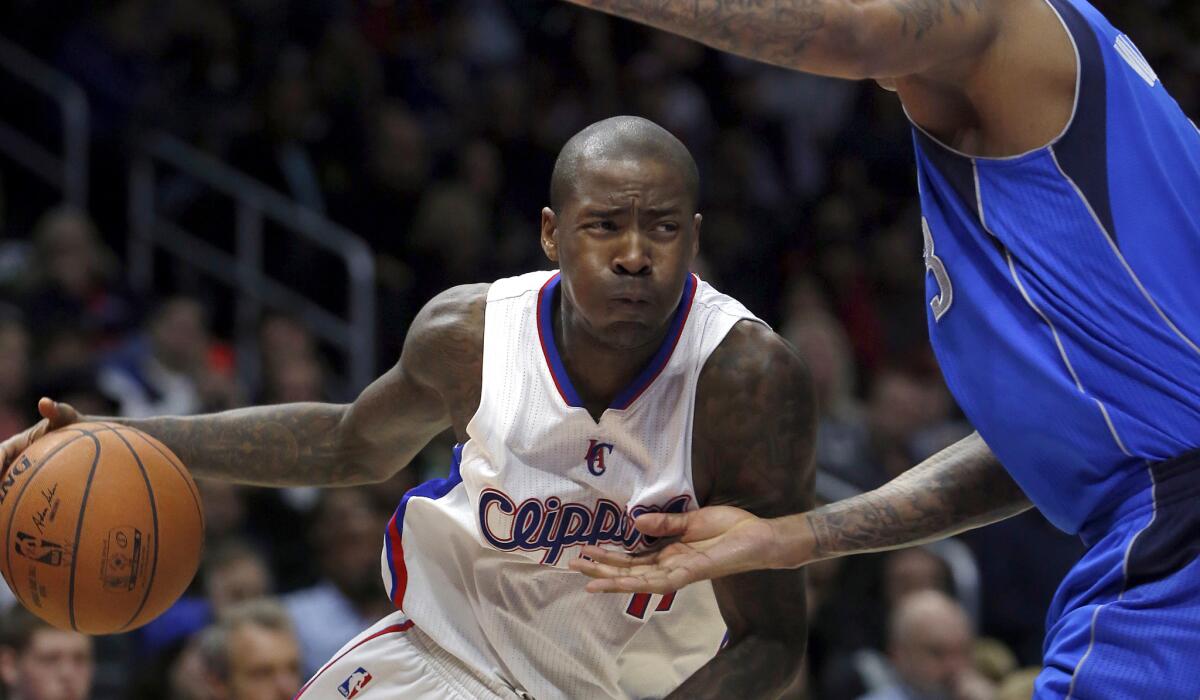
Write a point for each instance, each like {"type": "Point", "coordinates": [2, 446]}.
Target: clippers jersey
{"type": "Point", "coordinates": [1065, 285]}
{"type": "Point", "coordinates": [478, 560]}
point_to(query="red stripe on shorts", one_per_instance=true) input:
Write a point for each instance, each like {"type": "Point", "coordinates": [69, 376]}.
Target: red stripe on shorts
{"type": "Point", "coordinates": [391, 629]}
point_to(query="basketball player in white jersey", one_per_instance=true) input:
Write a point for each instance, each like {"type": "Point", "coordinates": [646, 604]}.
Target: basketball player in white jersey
{"type": "Point", "coordinates": [619, 385]}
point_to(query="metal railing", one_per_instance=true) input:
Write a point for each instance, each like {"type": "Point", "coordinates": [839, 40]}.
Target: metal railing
{"type": "Point", "coordinates": [68, 170]}
{"type": "Point", "coordinates": [242, 270]}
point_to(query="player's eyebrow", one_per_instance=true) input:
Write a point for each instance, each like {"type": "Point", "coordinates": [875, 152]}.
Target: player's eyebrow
{"type": "Point", "coordinates": [599, 211]}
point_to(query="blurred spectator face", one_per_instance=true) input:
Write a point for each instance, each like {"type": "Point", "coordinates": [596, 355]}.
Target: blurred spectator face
{"type": "Point", "coordinates": [824, 347]}
{"type": "Point", "coordinates": [65, 349]}
{"type": "Point", "coordinates": [400, 160]}
{"type": "Point", "coordinates": [179, 335]}
{"type": "Point", "coordinates": [289, 107]}
{"type": "Point", "coordinates": [281, 338]}
{"type": "Point", "coordinates": [912, 570]}
{"type": "Point", "coordinates": [298, 379]}
{"type": "Point", "coordinates": [188, 676]}
{"type": "Point", "coordinates": [481, 168]}
{"type": "Point", "coordinates": [264, 664]}
{"type": "Point", "coordinates": [897, 406]}
{"type": "Point", "coordinates": [347, 539]}
{"type": "Point", "coordinates": [14, 361]}
{"type": "Point", "coordinates": [930, 644]}
{"type": "Point", "coordinates": [54, 665]}
{"type": "Point", "coordinates": [236, 580]}
{"type": "Point", "coordinates": [224, 508]}
{"type": "Point", "coordinates": [69, 251]}
{"type": "Point", "coordinates": [454, 224]}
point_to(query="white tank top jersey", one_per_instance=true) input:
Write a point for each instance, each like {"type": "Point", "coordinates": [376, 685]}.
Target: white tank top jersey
{"type": "Point", "coordinates": [479, 560]}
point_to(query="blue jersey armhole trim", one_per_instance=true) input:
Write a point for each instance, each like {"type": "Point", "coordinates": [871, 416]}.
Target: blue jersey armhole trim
{"type": "Point", "coordinates": [432, 489]}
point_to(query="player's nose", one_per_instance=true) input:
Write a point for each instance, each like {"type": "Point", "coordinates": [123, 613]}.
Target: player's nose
{"type": "Point", "coordinates": [632, 255]}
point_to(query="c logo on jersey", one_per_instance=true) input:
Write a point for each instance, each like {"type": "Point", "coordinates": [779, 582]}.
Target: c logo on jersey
{"type": "Point", "coordinates": [356, 682]}
{"type": "Point", "coordinates": [595, 456]}
{"type": "Point", "coordinates": [552, 525]}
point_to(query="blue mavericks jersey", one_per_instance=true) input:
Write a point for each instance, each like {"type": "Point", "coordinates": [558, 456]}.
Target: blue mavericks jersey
{"type": "Point", "coordinates": [1064, 284]}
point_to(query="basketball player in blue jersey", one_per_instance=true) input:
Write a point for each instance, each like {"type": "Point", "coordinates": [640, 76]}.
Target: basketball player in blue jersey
{"type": "Point", "coordinates": [1060, 187]}
{"type": "Point", "coordinates": [617, 385]}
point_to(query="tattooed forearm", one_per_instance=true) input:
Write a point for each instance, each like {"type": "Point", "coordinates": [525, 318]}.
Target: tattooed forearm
{"type": "Point", "coordinates": [842, 38]}
{"type": "Point", "coordinates": [291, 444]}
{"type": "Point", "coordinates": [961, 487]}
{"type": "Point", "coordinates": [777, 31]}
{"type": "Point", "coordinates": [920, 16]}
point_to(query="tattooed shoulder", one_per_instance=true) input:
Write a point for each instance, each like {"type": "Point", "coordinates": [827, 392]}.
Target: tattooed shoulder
{"type": "Point", "coordinates": [444, 347]}
{"type": "Point", "coordinates": [755, 424]}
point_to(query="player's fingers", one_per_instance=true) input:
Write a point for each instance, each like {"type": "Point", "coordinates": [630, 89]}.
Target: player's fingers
{"type": "Point", "coordinates": [662, 524]}
{"type": "Point", "coordinates": [56, 413]}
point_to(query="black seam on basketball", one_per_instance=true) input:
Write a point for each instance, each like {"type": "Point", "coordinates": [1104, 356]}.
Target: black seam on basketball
{"type": "Point", "coordinates": [79, 532]}
{"type": "Point", "coordinates": [154, 518]}
{"type": "Point", "coordinates": [183, 472]}
{"type": "Point", "coordinates": [16, 589]}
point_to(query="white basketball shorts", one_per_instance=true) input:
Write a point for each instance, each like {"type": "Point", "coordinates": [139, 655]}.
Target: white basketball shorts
{"type": "Point", "coordinates": [393, 659]}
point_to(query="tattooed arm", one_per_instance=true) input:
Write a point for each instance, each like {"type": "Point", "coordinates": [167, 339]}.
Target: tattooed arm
{"type": "Point", "coordinates": [842, 38]}
{"type": "Point", "coordinates": [961, 487]}
{"type": "Point", "coordinates": [431, 387]}
{"type": "Point", "coordinates": [752, 448]}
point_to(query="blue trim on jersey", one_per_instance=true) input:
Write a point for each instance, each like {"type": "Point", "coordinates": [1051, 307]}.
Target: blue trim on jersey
{"type": "Point", "coordinates": [549, 347]}
{"type": "Point", "coordinates": [432, 489]}
{"type": "Point", "coordinates": [644, 378]}
{"type": "Point", "coordinates": [647, 375]}
{"type": "Point", "coordinates": [1083, 149]}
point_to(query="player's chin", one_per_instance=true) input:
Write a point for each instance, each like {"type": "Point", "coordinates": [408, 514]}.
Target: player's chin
{"type": "Point", "coordinates": [628, 335]}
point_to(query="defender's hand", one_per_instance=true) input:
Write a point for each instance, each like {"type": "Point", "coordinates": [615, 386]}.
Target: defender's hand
{"type": "Point", "coordinates": [711, 543]}
{"type": "Point", "coordinates": [55, 415]}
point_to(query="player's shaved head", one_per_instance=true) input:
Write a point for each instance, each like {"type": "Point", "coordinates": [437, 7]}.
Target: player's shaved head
{"type": "Point", "coordinates": [620, 138]}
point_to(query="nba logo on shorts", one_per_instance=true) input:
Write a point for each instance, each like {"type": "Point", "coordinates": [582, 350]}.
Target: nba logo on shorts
{"type": "Point", "coordinates": [595, 456]}
{"type": "Point", "coordinates": [356, 682]}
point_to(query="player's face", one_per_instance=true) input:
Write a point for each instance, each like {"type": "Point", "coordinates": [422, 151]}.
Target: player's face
{"type": "Point", "coordinates": [56, 665]}
{"type": "Point", "coordinates": [624, 243]}
{"type": "Point", "coordinates": [264, 665]}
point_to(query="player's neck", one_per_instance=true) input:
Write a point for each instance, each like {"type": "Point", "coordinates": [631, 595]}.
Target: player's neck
{"type": "Point", "coordinates": [598, 371]}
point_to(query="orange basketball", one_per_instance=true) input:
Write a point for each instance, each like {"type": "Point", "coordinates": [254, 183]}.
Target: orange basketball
{"type": "Point", "coordinates": [101, 527]}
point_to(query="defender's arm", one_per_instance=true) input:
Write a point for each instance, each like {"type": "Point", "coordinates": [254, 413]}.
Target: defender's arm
{"type": "Point", "coordinates": [327, 444]}
{"type": "Point", "coordinates": [841, 38]}
{"type": "Point", "coordinates": [753, 443]}
{"type": "Point", "coordinates": [962, 487]}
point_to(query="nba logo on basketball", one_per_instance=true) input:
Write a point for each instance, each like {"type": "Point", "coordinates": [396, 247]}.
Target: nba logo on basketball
{"type": "Point", "coordinates": [595, 456]}
{"type": "Point", "coordinates": [356, 682]}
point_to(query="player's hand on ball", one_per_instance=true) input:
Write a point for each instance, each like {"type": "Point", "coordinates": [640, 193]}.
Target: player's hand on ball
{"type": "Point", "coordinates": [55, 415]}
{"type": "Point", "coordinates": [710, 543]}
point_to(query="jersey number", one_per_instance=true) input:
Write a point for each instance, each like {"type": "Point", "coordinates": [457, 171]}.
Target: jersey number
{"type": "Point", "coordinates": [945, 297]}
{"type": "Point", "coordinates": [640, 603]}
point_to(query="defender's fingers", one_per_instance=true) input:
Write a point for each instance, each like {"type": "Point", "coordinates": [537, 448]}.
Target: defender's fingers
{"type": "Point", "coordinates": [616, 558]}
{"type": "Point", "coordinates": [629, 584]}
{"type": "Point", "coordinates": [598, 569]}
{"type": "Point", "coordinates": [662, 524]}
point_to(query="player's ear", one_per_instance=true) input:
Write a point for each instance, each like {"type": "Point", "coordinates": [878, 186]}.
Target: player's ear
{"type": "Point", "coordinates": [550, 234]}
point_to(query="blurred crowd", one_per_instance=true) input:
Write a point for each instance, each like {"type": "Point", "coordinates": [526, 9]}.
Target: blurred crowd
{"type": "Point", "coordinates": [429, 128]}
